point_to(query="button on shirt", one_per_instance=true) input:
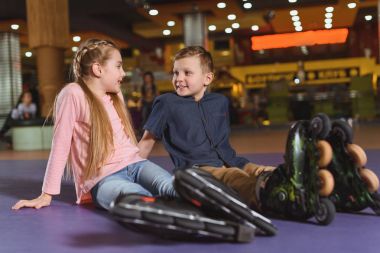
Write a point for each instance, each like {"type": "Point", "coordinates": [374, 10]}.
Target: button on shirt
{"type": "Point", "coordinates": [194, 133]}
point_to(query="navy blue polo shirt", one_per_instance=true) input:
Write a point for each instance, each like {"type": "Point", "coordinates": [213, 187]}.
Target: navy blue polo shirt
{"type": "Point", "coordinates": [194, 133]}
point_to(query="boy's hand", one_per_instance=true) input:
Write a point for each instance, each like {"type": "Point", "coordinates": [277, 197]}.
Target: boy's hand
{"type": "Point", "coordinates": [43, 200]}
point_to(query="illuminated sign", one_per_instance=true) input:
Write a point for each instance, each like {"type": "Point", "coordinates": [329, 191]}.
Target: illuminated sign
{"type": "Point", "coordinates": [309, 38]}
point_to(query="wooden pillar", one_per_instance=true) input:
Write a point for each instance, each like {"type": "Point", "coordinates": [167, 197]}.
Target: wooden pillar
{"type": "Point", "coordinates": [48, 33]}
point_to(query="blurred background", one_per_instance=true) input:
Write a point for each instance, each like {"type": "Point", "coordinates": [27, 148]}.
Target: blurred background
{"type": "Point", "coordinates": [276, 60]}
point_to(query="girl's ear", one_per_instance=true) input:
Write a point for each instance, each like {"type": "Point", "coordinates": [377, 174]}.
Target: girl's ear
{"type": "Point", "coordinates": [96, 69]}
{"type": "Point", "coordinates": [208, 78]}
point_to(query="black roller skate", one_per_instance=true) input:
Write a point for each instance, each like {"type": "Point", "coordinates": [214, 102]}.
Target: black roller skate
{"type": "Point", "coordinates": [355, 186]}
{"type": "Point", "coordinates": [175, 219]}
{"type": "Point", "coordinates": [217, 200]}
{"type": "Point", "coordinates": [299, 188]}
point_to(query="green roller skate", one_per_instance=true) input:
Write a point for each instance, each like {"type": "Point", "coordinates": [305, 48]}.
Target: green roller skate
{"type": "Point", "coordinates": [299, 188]}
{"type": "Point", "coordinates": [355, 186]}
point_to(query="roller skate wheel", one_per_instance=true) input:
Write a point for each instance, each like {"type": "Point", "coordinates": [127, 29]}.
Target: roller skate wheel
{"type": "Point", "coordinates": [370, 179]}
{"type": "Point", "coordinates": [357, 154]}
{"type": "Point", "coordinates": [325, 153]}
{"type": "Point", "coordinates": [326, 212]}
{"type": "Point", "coordinates": [326, 180]}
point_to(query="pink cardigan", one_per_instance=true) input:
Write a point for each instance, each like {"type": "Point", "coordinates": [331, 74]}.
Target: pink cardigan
{"type": "Point", "coordinates": [71, 139]}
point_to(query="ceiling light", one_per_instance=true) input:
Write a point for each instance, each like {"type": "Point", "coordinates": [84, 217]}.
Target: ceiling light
{"type": "Point", "coordinates": [293, 12]}
{"type": "Point", "coordinates": [166, 32]}
{"type": "Point", "coordinates": [153, 12]}
{"type": "Point", "coordinates": [328, 26]}
{"type": "Point", "coordinates": [296, 18]}
{"type": "Point", "coordinates": [221, 5]}
{"type": "Point", "coordinates": [247, 5]}
{"type": "Point", "coordinates": [74, 49]}
{"type": "Point", "coordinates": [329, 15]}
{"type": "Point", "coordinates": [28, 54]}
{"type": "Point", "coordinates": [15, 26]}
{"type": "Point", "coordinates": [292, 1]}
{"type": "Point", "coordinates": [76, 38]}
{"type": "Point", "coordinates": [328, 20]}
{"type": "Point", "coordinates": [231, 17]}
{"type": "Point", "coordinates": [235, 25]}
{"type": "Point", "coordinates": [228, 30]}
{"type": "Point", "coordinates": [351, 5]}
{"type": "Point", "coordinates": [368, 17]}
{"type": "Point", "coordinates": [298, 28]}
{"type": "Point", "coordinates": [255, 28]}
{"type": "Point", "coordinates": [329, 9]}
{"type": "Point", "coordinates": [171, 23]}
{"type": "Point", "coordinates": [211, 27]}
{"type": "Point", "coordinates": [297, 23]}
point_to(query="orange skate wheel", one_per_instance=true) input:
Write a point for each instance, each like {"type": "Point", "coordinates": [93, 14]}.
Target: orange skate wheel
{"type": "Point", "coordinates": [370, 178]}
{"type": "Point", "coordinates": [358, 154]}
{"type": "Point", "coordinates": [327, 182]}
{"type": "Point", "coordinates": [325, 153]}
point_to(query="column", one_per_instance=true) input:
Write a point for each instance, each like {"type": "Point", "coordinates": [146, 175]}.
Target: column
{"type": "Point", "coordinates": [48, 33]}
{"type": "Point", "coordinates": [194, 29]}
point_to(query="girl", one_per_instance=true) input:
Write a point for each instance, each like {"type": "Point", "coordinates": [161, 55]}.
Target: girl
{"type": "Point", "coordinates": [93, 136]}
{"type": "Point", "coordinates": [27, 109]}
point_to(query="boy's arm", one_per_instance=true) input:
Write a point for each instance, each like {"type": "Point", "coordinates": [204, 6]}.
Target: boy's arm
{"type": "Point", "coordinates": [146, 144]}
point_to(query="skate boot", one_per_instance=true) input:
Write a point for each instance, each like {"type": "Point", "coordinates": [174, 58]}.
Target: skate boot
{"type": "Point", "coordinates": [355, 186]}
{"type": "Point", "coordinates": [175, 219]}
{"type": "Point", "coordinates": [218, 200]}
{"type": "Point", "coordinates": [299, 188]}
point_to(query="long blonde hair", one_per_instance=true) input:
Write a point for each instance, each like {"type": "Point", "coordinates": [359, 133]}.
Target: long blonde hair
{"type": "Point", "coordinates": [101, 136]}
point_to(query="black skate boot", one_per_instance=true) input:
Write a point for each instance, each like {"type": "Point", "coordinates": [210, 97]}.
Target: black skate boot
{"type": "Point", "coordinates": [217, 200]}
{"type": "Point", "coordinates": [299, 188]}
{"type": "Point", "coordinates": [355, 186]}
{"type": "Point", "coordinates": [175, 219]}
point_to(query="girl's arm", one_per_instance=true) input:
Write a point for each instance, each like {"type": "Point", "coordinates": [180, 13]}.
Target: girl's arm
{"type": "Point", "coordinates": [146, 144]}
{"type": "Point", "coordinates": [65, 118]}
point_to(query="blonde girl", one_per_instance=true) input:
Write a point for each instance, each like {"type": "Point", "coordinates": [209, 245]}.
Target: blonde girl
{"type": "Point", "coordinates": [93, 136]}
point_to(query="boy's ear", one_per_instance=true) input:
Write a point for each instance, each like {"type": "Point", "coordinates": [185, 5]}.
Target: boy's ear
{"type": "Point", "coordinates": [96, 69]}
{"type": "Point", "coordinates": [208, 78]}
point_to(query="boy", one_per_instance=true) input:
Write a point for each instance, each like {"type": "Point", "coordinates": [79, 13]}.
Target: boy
{"type": "Point", "coordinates": [194, 126]}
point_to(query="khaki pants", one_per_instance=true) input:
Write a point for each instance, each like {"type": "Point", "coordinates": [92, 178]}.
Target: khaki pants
{"type": "Point", "coordinates": [243, 181]}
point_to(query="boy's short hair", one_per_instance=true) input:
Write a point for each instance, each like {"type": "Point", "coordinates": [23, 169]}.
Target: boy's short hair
{"type": "Point", "coordinates": [204, 56]}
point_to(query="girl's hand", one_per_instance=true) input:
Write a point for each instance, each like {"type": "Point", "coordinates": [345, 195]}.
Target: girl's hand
{"type": "Point", "coordinates": [43, 200]}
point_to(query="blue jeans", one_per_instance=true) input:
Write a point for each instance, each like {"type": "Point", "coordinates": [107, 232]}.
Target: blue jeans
{"type": "Point", "coordinates": [143, 177]}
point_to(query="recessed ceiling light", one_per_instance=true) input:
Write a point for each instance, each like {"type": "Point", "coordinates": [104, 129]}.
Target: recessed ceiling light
{"type": "Point", "coordinates": [231, 17]}
{"type": "Point", "coordinates": [298, 28]}
{"type": "Point", "coordinates": [329, 15]}
{"type": "Point", "coordinates": [296, 18]}
{"type": "Point", "coordinates": [171, 23]}
{"type": "Point", "coordinates": [292, 1]}
{"type": "Point", "coordinates": [221, 5]}
{"type": "Point", "coordinates": [368, 17]}
{"type": "Point", "coordinates": [293, 12]}
{"type": "Point", "coordinates": [328, 26]}
{"type": "Point", "coordinates": [351, 5]}
{"type": "Point", "coordinates": [235, 25]}
{"type": "Point", "coordinates": [74, 49]}
{"type": "Point", "coordinates": [247, 5]}
{"type": "Point", "coordinates": [211, 27]}
{"type": "Point", "coordinates": [228, 30]}
{"type": "Point", "coordinates": [76, 38]}
{"type": "Point", "coordinates": [297, 23]}
{"type": "Point", "coordinates": [28, 54]}
{"type": "Point", "coordinates": [15, 26]}
{"type": "Point", "coordinates": [328, 20]}
{"type": "Point", "coordinates": [255, 28]}
{"type": "Point", "coordinates": [329, 9]}
{"type": "Point", "coordinates": [166, 32]}
{"type": "Point", "coordinates": [153, 12]}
